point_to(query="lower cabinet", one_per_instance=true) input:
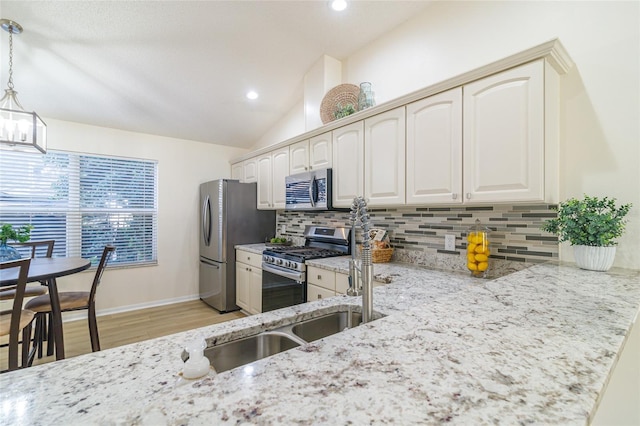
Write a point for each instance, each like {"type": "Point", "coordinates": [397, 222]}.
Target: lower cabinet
{"type": "Point", "coordinates": [316, 293]}
{"type": "Point", "coordinates": [322, 283]}
{"type": "Point", "coordinates": [248, 281]}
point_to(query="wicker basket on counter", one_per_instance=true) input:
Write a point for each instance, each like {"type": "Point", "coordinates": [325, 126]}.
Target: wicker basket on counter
{"type": "Point", "coordinates": [381, 255]}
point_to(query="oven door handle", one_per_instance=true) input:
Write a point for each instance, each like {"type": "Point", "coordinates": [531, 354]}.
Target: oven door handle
{"type": "Point", "coordinates": [297, 276]}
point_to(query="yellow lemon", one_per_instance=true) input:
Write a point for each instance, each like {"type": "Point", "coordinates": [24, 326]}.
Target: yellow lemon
{"type": "Point", "coordinates": [471, 236]}
{"type": "Point", "coordinates": [481, 257]}
{"type": "Point", "coordinates": [478, 239]}
{"type": "Point", "coordinates": [471, 257]}
{"type": "Point", "coordinates": [480, 249]}
{"type": "Point", "coordinates": [487, 253]}
{"type": "Point", "coordinates": [471, 247]}
{"type": "Point", "coordinates": [482, 266]}
{"type": "Point", "coordinates": [472, 266]}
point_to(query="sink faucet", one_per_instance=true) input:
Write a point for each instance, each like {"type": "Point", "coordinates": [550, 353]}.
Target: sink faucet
{"type": "Point", "coordinates": [361, 278]}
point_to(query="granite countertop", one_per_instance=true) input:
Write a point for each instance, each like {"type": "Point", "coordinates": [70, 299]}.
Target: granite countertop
{"type": "Point", "coordinates": [534, 346]}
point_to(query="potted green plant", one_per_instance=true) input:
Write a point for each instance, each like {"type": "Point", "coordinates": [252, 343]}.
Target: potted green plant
{"type": "Point", "coordinates": [591, 225]}
{"type": "Point", "coordinates": [8, 232]}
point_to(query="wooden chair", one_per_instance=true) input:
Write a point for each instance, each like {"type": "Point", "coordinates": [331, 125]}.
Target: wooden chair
{"type": "Point", "coordinates": [77, 300]}
{"type": "Point", "coordinates": [13, 321]}
{"type": "Point", "coordinates": [40, 248]}
{"type": "Point", "coordinates": [43, 248]}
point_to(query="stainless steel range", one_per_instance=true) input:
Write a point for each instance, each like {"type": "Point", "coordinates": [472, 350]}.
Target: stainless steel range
{"type": "Point", "coordinates": [284, 273]}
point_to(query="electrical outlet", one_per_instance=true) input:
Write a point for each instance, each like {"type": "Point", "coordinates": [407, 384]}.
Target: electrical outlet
{"type": "Point", "coordinates": [450, 242]}
{"type": "Point", "coordinates": [283, 228]}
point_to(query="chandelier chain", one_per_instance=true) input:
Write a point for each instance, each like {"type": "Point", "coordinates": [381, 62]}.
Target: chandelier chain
{"type": "Point", "coordinates": [10, 82]}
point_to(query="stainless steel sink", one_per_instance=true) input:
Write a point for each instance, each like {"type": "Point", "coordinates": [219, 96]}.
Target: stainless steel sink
{"type": "Point", "coordinates": [230, 355]}
{"type": "Point", "coordinates": [317, 328]}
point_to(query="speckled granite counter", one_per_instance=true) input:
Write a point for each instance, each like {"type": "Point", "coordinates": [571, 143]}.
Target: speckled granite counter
{"type": "Point", "coordinates": [536, 346]}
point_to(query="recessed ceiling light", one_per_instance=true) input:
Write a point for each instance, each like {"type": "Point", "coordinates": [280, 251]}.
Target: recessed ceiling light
{"type": "Point", "coordinates": [252, 95]}
{"type": "Point", "coordinates": [339, 5]}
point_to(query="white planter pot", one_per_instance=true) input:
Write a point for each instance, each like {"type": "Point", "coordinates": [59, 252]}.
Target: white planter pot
{"type": "Point", "coordinates": [594, 258]}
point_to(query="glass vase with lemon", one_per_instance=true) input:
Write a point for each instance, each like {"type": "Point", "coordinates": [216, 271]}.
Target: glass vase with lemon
{"type": "Point", "coordinates": [478, 250]}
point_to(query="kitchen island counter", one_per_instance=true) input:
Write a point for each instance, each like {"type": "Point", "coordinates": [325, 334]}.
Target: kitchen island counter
{"type": "Point", "coordinates": [535, 346]}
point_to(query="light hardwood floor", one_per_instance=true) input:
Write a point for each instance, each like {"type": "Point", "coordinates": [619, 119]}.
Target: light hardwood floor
{"type": "Point", "coordinates": [135, 326]}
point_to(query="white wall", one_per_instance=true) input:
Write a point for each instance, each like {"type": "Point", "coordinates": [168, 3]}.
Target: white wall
{"type": "Point", "coordinates": [289, 126]}
{"type": "Point", "coordinates": [182, 166]}
{"type": "Point", "coordinates": [600, 102]}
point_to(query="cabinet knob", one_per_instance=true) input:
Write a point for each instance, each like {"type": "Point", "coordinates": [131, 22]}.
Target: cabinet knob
{"type": "Point", "coordinates": [310, 167]}
{"type": "Point", "coordinates": [468, 195]}
{"type": "Point", "coordinates": [319, 296]}
{"type": "Point", "coordinates": [454, 196]}
{"type": "Point", "coordinates": [306, 168]}
{"type": "Point", "coordinates": [319, 277]}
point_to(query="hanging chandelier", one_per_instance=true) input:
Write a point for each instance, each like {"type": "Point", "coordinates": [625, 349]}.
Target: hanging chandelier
{"type": "Point", "coordinates": [19, 130]}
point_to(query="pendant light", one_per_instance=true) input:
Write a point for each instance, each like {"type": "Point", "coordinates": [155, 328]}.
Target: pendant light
{"type": "Point", "coordinates": [19, 130]}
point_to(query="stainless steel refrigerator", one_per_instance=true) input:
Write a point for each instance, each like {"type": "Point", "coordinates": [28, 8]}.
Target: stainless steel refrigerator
{"type": "Point", "coordinates": [228, 216]}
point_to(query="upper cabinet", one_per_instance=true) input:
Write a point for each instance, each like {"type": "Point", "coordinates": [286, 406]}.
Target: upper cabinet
{"type": "Point", "coordinates": [504, 135]}
{"type": "Point", "coordinates": [384, 158]}
{"type": "Point", "coordinates": [311, 154]}
{"type": "Point", "coordinates": [490, 135]}
{"type": "Point", "coordinates": [272, 169]}
{"type": "Point", "coordinates": [434, 149]}
{"type": "Point", "coordinates": [250, 167]}
{"type": "Point", "coordinates": [237, 171]}
{"type": "Point", "coordinates": [348, 164]}
{"type": "Point", "coordinates": [369, 160]}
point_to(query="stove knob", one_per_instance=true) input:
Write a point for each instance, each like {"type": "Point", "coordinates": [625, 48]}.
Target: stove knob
{"type": "Point", "coordinates": [279, 262]}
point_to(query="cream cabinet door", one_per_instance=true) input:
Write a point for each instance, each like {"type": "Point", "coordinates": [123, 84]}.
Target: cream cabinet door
{"type": "Point", "coordinates": [243, 277]}
{"type": "Point", "coordinates": [264, 182]}
{"type": "Point", "coordinates": [348, 164]}
{"type": "Point", "coordinates": [250, 170]}
{"type": "Point", "coordinates": [320, 152]}
{"type": "Point", "coordinates": [504, 136]}
{"type": "Point", "coordinates": [255, 290]}
{"type": "Point", "coordinates": [237, 171]}
{"type": "Point", "coordinates": [384, 158]}
{"type": "Point", "coordinates": [434, 149]}
{"type": "Point", "coordinates": [299, 157]}
{"type": "Point", "coordinates": [279, 171]}
{"type": "Point", "coordinates": [317, 293]}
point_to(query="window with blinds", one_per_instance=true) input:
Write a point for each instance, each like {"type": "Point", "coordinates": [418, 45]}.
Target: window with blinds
{"type": "Point", "coordinates": [83, 202]}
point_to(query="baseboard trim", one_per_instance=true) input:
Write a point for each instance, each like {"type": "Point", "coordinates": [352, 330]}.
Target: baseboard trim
{"type": "Point", "coordinates": [78, 315]}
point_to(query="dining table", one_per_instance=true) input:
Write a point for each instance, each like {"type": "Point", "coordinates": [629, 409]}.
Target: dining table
{"type": "Point", "coordinates": [46, 270]}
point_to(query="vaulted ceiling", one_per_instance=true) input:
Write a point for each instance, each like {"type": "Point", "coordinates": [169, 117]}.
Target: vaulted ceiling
{"type": "Point", "coordinates": [181, 68]}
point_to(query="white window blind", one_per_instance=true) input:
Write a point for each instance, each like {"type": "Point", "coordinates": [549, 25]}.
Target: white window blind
{"type": "Point", "coordinates": [83, 202]}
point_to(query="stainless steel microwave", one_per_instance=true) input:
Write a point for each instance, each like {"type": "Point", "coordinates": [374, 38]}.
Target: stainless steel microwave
{"type": "Point", "coordinates": [309, 190]}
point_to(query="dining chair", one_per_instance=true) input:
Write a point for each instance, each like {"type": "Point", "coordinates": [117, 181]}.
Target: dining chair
{"type": "Point", "coordinates": [41, 248]}
{"type": "Point", "coordinates": [18, 319]}
{"type": "Point", "coordinates": [77, 300]}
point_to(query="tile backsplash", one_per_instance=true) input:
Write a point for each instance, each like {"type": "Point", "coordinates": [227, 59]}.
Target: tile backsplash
{"type": "Point", "coordinates": [417, 234]}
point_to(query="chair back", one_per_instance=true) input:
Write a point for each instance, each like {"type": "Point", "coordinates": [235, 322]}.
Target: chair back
{"type": "Point", "coordinates": [37, 247]}
{"type": "Point", "coordinates": [106, 256]}
{"type": "Point", "coordinates": [16, 312]}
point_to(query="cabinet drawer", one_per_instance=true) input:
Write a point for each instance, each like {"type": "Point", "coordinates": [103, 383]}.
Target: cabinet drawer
{"type": "Point", "coordinates": [316, 293]}
{"type": "Point", "coordinates": [249, 258]}
{"type": "Point", "coordinates": [322, 278]}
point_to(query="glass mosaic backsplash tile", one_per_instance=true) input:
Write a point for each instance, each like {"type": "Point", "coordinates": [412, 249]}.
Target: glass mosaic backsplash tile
{"type": "Point", "coordinates": [417, 234]}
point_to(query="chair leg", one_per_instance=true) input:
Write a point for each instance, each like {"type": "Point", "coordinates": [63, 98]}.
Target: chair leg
{"type": "Point", "coordinates": [50, 336]}
{"type": "Point", "coordinates": [93, 328]}
{"type": "Point", "coordinates": [13, 351]}
{"type": "Point", "coordinates": [26, 339]}
{"type": "Point", "coordinates": [41, 324]}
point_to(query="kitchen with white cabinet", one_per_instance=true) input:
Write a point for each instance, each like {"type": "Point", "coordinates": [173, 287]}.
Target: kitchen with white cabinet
{"type": "Point", "coordinates": [482, 112]}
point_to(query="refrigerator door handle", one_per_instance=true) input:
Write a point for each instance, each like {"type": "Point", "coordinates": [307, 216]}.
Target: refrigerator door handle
{"type": "Point", "coordinates": [206, 221]}
{"type": "Point", "coordinates": [215, 265]}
